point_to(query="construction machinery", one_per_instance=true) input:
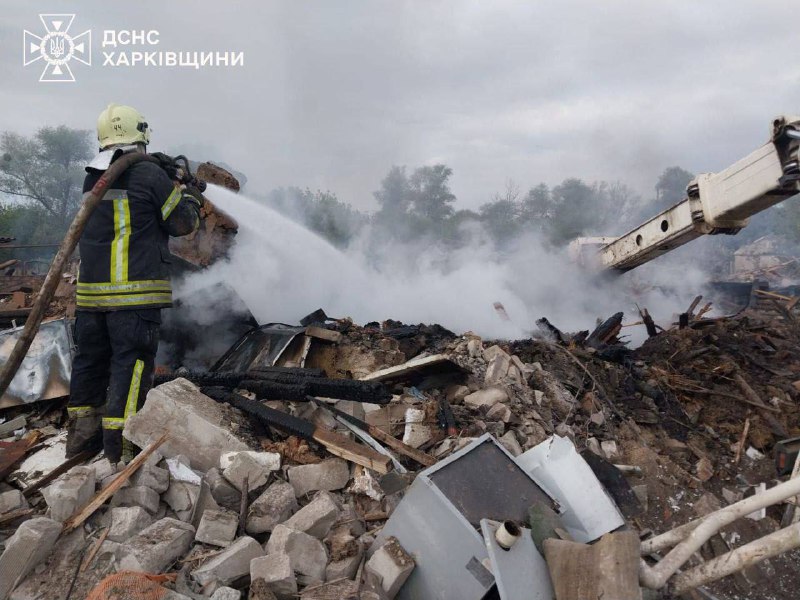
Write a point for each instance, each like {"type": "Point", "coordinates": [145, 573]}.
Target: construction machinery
{"type": "Point", "coordinates": [715, 203]}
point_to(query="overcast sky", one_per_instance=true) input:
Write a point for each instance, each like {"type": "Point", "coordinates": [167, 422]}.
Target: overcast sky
{"type": "Point", "coordinates": [332, 93]}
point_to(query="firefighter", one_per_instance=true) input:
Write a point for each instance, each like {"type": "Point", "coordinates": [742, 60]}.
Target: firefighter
{"type": "Point", "coordinates": [123, 283]}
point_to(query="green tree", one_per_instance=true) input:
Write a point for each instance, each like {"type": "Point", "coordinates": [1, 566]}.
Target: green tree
{"type": "Point", "coordinates": [432, 198]}
{"type": "Point", "coordinates": [575, 210]}
{"type": "Point", "coordinates": [502, 217]}
{"type": "Point", "coordinates": [671, 186]}
{"type": "Point", "coordinates": [537, 210]}
{"type": "Point", "coordinates": [394, 196]}
{"type": "Point", "coordinates": [321, 212]}
{"type": "Point", "coordinates": [46, 169]}
{"type": "Point", "coordinates": [334, 220]}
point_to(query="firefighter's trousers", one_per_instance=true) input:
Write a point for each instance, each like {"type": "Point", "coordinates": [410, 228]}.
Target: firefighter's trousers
{"type": "Point", "coordinates": [113, 370]}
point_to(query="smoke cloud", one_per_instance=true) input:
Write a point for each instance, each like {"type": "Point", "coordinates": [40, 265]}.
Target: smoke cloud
{"type": "Point", "coordinates": [282, 271]}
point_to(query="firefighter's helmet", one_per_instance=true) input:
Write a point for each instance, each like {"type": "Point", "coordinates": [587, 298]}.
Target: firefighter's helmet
{"type": "Point", "coordinates": [119, 124]}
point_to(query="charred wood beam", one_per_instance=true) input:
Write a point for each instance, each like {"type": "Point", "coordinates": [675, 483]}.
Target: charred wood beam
{"type": "Point", "coordinates": [288, 385]}
{"type": "Point", "coordinates": [335, 443]}
{"type": "Point", "coordinates": [342, 389]}
{"type": "Point", "coordinates": [605, 332]}
{"type": "Point", "coordinates": [551, 330]}
{"type": "Point", "coordinates": [649, 324]}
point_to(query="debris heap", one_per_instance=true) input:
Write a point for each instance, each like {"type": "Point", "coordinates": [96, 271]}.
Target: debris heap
{"type": "Point", "coordinates": [406, 461]}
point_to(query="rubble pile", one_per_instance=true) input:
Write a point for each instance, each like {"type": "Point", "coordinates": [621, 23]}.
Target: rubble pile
{"type": "Point", "coordinates": [313, 478]}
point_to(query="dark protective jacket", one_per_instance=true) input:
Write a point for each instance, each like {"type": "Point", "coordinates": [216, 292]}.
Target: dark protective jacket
{"type": "Point", "coordinates": [124, 254]}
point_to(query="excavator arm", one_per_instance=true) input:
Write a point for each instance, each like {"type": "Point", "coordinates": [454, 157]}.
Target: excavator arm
{"type": "Point", "coordinates": [715, 203]}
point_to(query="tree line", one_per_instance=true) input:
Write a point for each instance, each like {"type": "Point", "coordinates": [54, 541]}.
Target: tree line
{"type": "Point", "coordinates": [41, 178]}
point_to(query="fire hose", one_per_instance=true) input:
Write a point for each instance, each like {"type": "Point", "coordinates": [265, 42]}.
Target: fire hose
{"type": "Point", "coordinates": [90, 201]}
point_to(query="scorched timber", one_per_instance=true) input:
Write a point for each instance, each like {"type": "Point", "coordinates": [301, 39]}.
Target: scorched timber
{"type": "Point", "coordinates": [269, 385]}
{"type": "Point", "coordinates": [335, 443]}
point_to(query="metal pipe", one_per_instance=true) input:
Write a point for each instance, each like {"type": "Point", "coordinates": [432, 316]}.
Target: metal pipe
{"type": "Point", "coordinates": [765, 547]}
{"type": "Point", "coordinates": [89, 202]}
{"type": "Point", "coordinates": [507, 534]}
{"type": "Point", "coordinates": [701, 530]}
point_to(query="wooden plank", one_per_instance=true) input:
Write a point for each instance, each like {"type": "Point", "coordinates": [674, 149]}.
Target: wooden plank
{"type": "Point", "coordinates": [742, 440]}
{"type": "Point", "coordinates": [103, 495]}
{"type": "Point", "coordinates": [344, 447]}
{"type": "Point", "coordinates": [10, 426]}
{"type": "Point", "coordinates": [435, 362]}
{"type": "Point", "coordinates": [380, 435]}
{"type": "Point", "coordinates": [755, 399]}
{"type": "Point", "coordinates": [693, 305]}
{"type": "Point", "coordinates": [324, 334]}
{"type": "Point", "coordinates": [421, 457]}
{"type": "Point", "coordinates": [14, 452]}
{"type": "Point", "coordinates": [606, 569]}
{"type": "Point", "coordinates": [14, 515]}
{"type": "Point", "coordinates": [95, 549]}
{"type": "Point", "coordinates": [777, 296]}
{"type": "Point", "coordinates": [244, 504]}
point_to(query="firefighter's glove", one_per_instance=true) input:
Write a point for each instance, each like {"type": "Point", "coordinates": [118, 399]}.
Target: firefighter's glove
{"type": "Point", "coordinates": [167, 163]}
{"type": "Point", "coordinates": [195, 195]}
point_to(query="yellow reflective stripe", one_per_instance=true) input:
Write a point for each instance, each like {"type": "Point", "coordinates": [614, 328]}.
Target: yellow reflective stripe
{"type": "Point", "coordinates": [119, 246]}
{"type": "Point", "coordinates": [171, 203]}
{"type": "Point", "coordinates": [148, 285]}
{"type": "Point", "coordinates": [113, 422]}
{"type": "Point", "coordinates": [81, 411]}
{"type": "Point", "coordinates": [129, 300]}
{"type": "Point", "coordinates": [133, 390]}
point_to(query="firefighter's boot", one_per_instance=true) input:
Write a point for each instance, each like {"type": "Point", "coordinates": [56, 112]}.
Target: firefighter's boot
{"type": "Point", "coordinates": [84, 433]}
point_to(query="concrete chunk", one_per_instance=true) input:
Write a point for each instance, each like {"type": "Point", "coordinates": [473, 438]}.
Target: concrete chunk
{"type": "Point", "coordinates": [277, 573]}
{"type": "Point", "coordinates": [156, 478]}
{"type": "Point", "coordinates": [416, 432]}
{"type": "Point", "coordinates": [498, 364]}
{"type": "Point", "coordinates": [256, 466]}
{"type": "Point", "coordinates": [307, 554]}
{"type": "Point", "coordinates": [271, 508]}
{"type": "Point", "coordinates": [392, 564]}
{"type": "Point", "coordinates": [70, 492]}
{"type": "Point", "coordinates": [344, 568]}
{"type": "Point", "coordinates": [487, 397]}
{"type": "Point", "coordinates": [12, 500]}
{"type": "Point", "coordinates": [181, 498]}
{"type": "Point", "coordinates": [156, 547]}
{"type": "Point", "coordinates": [138, 495]}
{"type": "Point", "coordinates": [232, 563]}
{"type": "Point", "coordinates": [223, 492]}
{"type": "Point", "coordinates": [200, 428]}
{"type": "Point", "coordinates": [511, 443]}
{"type": "Point", "coordinates": [217, 527]}
{"type": "Point", "coordinates": [330, 474]}
{"type": "Point", "coordinates": [128, 521]}
{"type": "Point", "coordinates": [103, 468]}
{"type": "Point", "coordinates": [317, 517]}
{"type": "Point", "coordinates": [31, 543]}
{"type": "Point", "coordinates": [226, 593]}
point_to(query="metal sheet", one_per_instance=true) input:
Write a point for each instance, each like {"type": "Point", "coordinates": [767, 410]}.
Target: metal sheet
{"type": "Point", "coordinates": [46, 369]}
{"type": "Point", "coordinates": [586, 509]}
{"type": "Point", "coordinates": [486, 483]}
{"type": "Point", "coordinates": [437, 521]}
{"type": "Point", "coordinates": [520, 572]}
{"type": "Point", "coordinates": [259, 347]}
{"type": "Point", "coordinates": [449, 554]}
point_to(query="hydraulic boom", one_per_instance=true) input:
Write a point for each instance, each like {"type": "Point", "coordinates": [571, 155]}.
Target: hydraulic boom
{"type": "Point", "coordinates": [715, 203]}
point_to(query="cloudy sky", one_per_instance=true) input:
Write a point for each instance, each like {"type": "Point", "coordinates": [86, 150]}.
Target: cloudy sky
{"type": "Point", "coordinates": [332, 93]}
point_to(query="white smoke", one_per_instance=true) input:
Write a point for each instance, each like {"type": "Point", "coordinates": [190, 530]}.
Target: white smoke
{"type": "Point", "coordinates": [282, 271]}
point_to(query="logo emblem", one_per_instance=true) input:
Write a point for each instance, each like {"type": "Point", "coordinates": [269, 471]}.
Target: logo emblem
{"type": "Point", "coordinates": [57, 48]}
